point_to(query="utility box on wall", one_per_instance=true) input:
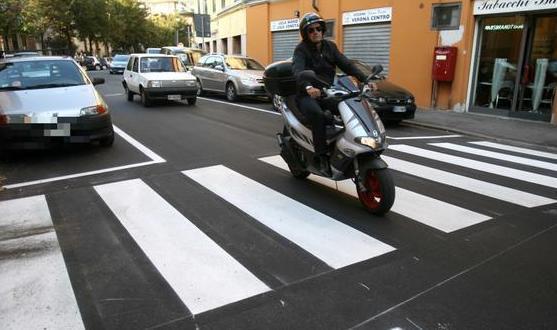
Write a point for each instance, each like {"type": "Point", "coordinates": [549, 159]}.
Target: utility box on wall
{"type": "Point", "coordinates": [444, 63]}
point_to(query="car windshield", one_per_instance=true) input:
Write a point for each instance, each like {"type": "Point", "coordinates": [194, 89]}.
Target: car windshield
{"type": "Point", "coordinates": [196, 56]}
{"type": "Point", "coordinates": [161, 64]}
{"type": "Point", "coordinates": [39, 74]}
{"type": "Point", "coordinates": [238, 63]}
{"type": "Point", "coordinates": [121, 58]}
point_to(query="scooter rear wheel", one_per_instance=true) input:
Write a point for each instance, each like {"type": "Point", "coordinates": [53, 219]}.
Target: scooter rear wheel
{"type": "Point", "coordinates": [380, 194]}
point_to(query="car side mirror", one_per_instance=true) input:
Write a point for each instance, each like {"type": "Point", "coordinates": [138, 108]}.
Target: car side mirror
{"type": "Point", "coordinates": [219, 67]}
{"type": "Point", "coordinates": [98, 81]}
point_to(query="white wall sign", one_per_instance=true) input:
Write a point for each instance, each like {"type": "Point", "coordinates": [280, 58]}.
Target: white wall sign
{"type": "Point", "coordinates": [484, 7]}
{"type": "Point", "coordinates": [367, 16]}
{"type": "Point", "coordinates": [285, 24]}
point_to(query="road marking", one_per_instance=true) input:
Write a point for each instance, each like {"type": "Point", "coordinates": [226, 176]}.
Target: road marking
{"type": "Point", "coordinates": [109, 95]}
{"type": "Point", "coordinates": [423, 137]}
{"type": "Point", "coordinates": [201, 273]}
{"type": "Point", "coordinates": [333, 242]}
{"type": "Point", "coordinates": [241, 106]}
{"type": "Point", "coordinates": [497, 155]}
{"type": "Point", "coordinates": [479, 187]}
{"type": "Point", "coordinates": [429, 211]}
{"type": "Point", "coordinates": [35, 289]}
{"type": "Point", "coordinates": [516, 149]}
{"type": "Point", "coordinates": [155, 159]}
{"type": "Point", "coordinates": [479, 166]}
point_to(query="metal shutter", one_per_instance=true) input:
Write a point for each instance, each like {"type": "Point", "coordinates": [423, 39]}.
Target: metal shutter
{"type": "Point", "coordinates": [370, 43]}
{"type": "Point", "coordinates": [284, 43]}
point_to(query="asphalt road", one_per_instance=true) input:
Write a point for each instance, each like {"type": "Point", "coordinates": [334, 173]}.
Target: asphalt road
{"type": "Point", "coordinates": [189, 221]}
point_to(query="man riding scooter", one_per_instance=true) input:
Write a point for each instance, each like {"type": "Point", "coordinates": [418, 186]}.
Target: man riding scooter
{"type": "Point", "coordinates": [321, 56]}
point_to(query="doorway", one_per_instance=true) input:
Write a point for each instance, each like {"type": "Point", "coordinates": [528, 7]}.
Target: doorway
{"type": "Point", "coordinates": [516, 67]}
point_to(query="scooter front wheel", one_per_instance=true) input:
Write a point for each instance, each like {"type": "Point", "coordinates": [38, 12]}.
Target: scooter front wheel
{"type": "Point", "coordinates": [379, 196]}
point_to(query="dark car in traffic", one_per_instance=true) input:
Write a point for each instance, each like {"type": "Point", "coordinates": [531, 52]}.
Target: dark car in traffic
{"type": "Point", "coordinates": [49, 100]}
{"type": "Point", "coordinates": [392, 102]}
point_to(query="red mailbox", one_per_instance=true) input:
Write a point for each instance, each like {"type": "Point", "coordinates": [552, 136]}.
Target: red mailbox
{"type": "Point", "coordinates": [444, 63]}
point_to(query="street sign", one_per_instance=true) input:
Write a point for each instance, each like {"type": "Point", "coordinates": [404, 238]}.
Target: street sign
{"type": "Point", "coordinates": [202, 24]}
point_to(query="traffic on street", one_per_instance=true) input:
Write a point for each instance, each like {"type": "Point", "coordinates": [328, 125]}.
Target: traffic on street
{"type": "Point", "coordinates": [192, 219]}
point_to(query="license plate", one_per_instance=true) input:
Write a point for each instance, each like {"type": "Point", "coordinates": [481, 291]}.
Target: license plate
{"type": "Point", "coordinates": [62, 129]}
{"type": "Point", "coordinates": [175, 97]}
{"type": "Point", "coordinates": [399, 109]}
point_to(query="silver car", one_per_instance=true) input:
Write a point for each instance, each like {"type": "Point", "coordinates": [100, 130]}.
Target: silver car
{"type": "Point", "coordinates": [230, 74]}
{"type": "Point", "coordinates": [50, 99]}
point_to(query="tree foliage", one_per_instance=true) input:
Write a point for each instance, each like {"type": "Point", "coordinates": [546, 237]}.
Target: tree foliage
{"type": "Point", "coordinates": [124, 24]}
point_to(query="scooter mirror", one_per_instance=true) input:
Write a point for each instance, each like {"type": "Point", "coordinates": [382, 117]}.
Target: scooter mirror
{"type": "Point", "coordinates": [376, 69]}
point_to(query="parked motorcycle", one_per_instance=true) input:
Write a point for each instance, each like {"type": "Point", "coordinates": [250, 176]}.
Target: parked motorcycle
{"type": "Point", "coordinates": [355, 134]}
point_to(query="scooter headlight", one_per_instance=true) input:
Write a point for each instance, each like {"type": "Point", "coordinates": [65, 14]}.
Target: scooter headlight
{"type": "Point", "coordinates": [373, 143]}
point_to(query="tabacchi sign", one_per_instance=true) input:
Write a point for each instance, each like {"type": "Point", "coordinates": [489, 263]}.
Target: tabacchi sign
{"type": "Point", "coordinates": [484, 7]}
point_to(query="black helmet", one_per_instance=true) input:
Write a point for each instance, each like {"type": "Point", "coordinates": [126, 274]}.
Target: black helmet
{"type": "Point", "coordinates": [309, 19]}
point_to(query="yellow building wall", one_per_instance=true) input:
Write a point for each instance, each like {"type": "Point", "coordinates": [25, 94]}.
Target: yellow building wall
{"type": "Point", "coordinates": [412, 41]}
{"type": "Point", "coordinates": [232, 24]}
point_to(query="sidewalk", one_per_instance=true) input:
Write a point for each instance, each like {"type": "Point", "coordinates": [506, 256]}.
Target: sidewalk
{"type": "Point", "coordinates": [527, 132]}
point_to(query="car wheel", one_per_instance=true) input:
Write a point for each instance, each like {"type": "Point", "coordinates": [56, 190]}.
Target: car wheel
{"type": "Point", "coordinates": [107, 141]}
{"type": "Point", "coordinates": [97, 67]}
{"type": "Point", "coordinates": [231, 94]}
{"type": "Point", "coordinates": [129, 93]}
{"type": "Point", "coordinates": [145, 99]}
{"type": "Point", "coordinates": [192, 100]}
{"type": "Point", "coordinates": [199, 88]}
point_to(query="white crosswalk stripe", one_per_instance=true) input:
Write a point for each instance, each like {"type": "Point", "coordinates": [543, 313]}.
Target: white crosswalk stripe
{"type": "Point", "coordinates": [480, 187]}
{"type": "Point", "coordinates": [516, 149]}
{"type": "Point", "coordinates": [429, 211]}
{"type": "Point", "coordinates": [333, 242]}
{"type": "Point", "coordinates": [35, 289]}
{"type": "Point", "coordinates": [539, 179]}
{"type": "Point", "coordinates": [497, 155]}
{"type": "Point", "coordinates": [201, 273]}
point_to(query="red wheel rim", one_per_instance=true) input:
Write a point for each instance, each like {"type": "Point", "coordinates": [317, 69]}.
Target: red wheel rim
{"type": "Point", "coordinates": [372, 197]}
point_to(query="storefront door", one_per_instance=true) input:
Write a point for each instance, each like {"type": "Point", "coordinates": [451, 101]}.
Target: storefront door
{"type": "Point", "coordinates": [516, 68]}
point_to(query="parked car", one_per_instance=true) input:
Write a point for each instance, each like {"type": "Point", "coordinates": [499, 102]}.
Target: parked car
{"type": "Point", "coordinates": [119, 63]}
{"type": "Point", "coordinates": [92, 63]}
{"type": "Point", "coordinates": [189, 56]}
{"type": "Point", "coordinates": [232, 75]}
{"type": "Point", "coordinates": [50, 99]}
{"type": "Point", "coordinates": [153, 51]}
{"type": "Point", "coordinates": [158, 76]}
{"type": "Point", "coordinates": [392, 102]}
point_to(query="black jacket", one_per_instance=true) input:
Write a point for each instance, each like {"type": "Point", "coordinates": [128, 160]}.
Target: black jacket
{"type": "Point", "coordinates": [323, 63]}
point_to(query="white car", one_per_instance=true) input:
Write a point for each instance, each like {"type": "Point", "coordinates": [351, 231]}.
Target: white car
{"type": "Point", "coordinates": [159, 77]}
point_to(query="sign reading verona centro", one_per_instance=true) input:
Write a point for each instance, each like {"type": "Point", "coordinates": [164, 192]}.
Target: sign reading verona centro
{"type": "Point", "coordinates": [367, 16]}
{"type": "Point", "coordinates": [285, 24]}
{"type": "Point", "coordinates": [484, 7]}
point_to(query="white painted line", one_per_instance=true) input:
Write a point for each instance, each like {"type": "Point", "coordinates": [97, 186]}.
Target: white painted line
{"type": "Point", "coordinates": [35, 289]}
{"type": "Point", "coordinates": [429, 211]}
{"type": "Point", "coordinates": [530, 152]}
{"type": "Point", "coordinates": [497, 155]}
{"type": "Point", "coordinates": [543, 180]}
{"type": "Point", "coordinates": [155, 159]}
{"type": "Point", "coordinates": [479, 187]}
{"type": "Point", "coordinates": [201, 273]}
{"type": "Point", "coordinates": [333, 242]}
{"type": "Point", "coordinates": [277, 161]}
{"type": "Point", "coordinates": [109, 95]}
{"type": "Point", "coordinates": [148, 152]}
{"type": "Point", "coordinates": [77, 175]}
{"type": "Point", "coordinates": [423, 137]}
{"type": "Point", "coordinates": [241, 106]}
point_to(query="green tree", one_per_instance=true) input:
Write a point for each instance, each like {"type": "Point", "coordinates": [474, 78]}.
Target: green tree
{"type": "Point", "coordinates": [11, 20]}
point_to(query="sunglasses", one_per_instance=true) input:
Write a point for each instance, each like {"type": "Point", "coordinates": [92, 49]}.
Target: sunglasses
{"type": "Point", "coordinates": [316, 29]}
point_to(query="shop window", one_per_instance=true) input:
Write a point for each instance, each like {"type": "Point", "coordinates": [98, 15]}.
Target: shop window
{"type": "Point", "coordinates": [445, 16]}
{"type": "Point", "coordinates": [330, 29]}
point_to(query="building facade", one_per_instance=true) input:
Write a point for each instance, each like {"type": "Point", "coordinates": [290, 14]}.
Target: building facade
{"type": "Point", "coordinates": [490, 56]}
